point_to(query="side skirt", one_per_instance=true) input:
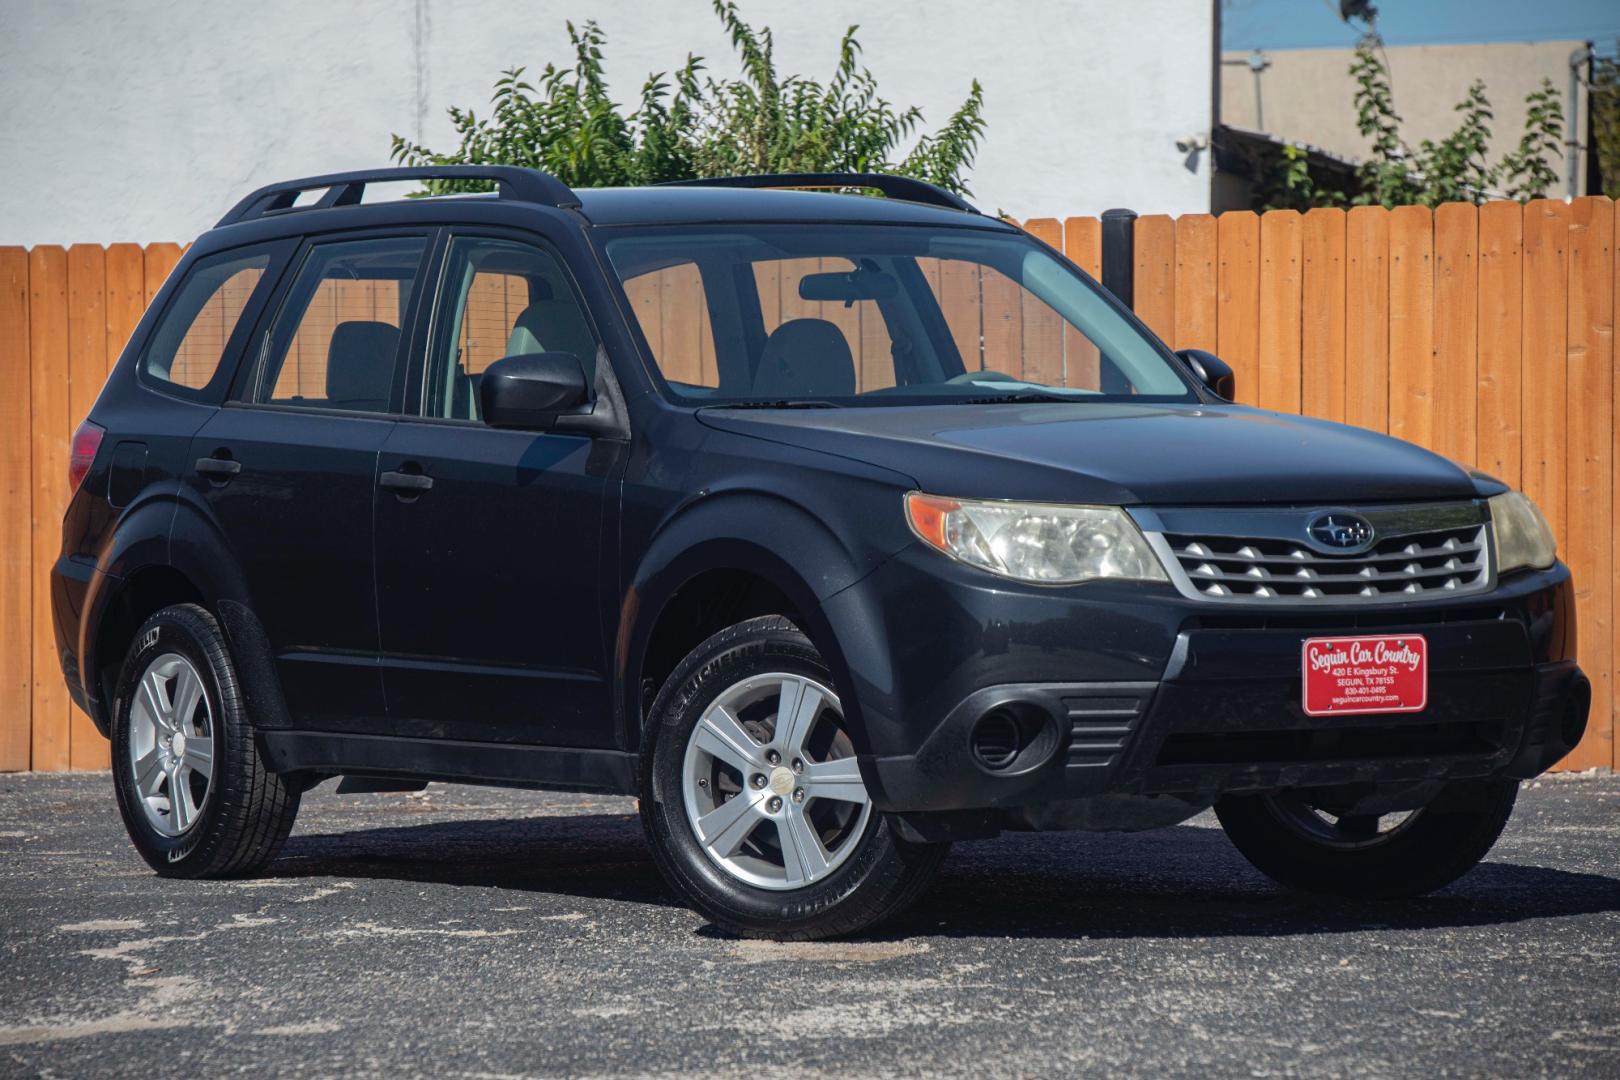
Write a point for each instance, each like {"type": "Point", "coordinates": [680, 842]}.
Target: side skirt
{"type": "Point", "coordinates": [611, 772]}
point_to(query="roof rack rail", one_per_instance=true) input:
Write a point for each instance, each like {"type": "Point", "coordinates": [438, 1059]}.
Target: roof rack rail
{"type": "Point", "coordinates": [895, 187]}
{"type": "Point", "coordinates": [345, 189]}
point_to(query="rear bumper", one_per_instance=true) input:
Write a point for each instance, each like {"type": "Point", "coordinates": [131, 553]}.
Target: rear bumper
{"type": "Point", "coordinates": [72, 581]}
{"type": "Point", "coordinates": [1145, 692]}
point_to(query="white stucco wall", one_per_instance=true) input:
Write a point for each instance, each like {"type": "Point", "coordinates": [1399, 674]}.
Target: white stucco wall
{"type": "Point", "coordinates": [123, 120]}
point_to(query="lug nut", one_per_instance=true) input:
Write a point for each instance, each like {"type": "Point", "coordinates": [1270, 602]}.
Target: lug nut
{"type": "Point", "coordinates": [798, 765]}
{"type": "Point", "coordinates": [773, 757]}
{"type": "Point", "coordinates": [775, 804]}
{"type": "Point", "coordinates": [798, 795]}
{"type": "Point", "coordinates": [759, 780]}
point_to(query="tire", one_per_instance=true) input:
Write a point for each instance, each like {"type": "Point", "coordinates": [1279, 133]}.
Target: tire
{"type": "Point", "coordinates": [866, 872]}
{"type": "Point", "coordinates": [1431, 848]}
{"type": "Point", "coordinates": [233, 813]}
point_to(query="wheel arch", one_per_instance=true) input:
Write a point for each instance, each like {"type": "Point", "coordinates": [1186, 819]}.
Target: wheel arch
{"type": "Point", "coordinates": [188, 563]}
{"type": "Point", "coordinates": [728, 558]}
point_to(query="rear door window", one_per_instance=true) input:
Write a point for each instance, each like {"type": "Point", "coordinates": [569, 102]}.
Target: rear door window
{"type": "Point", "coordinates": [335, 343]}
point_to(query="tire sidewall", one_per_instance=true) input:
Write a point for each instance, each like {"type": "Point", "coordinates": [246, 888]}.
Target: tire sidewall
{"type": "Point", "coordinates": [1429, 853]}
{"type": "Point", "coordinates": [174, 630]}
{"type": "Point", "coordinates": [766, 646]}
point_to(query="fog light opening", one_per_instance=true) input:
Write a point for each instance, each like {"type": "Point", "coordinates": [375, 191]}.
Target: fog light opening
{"type": "Point", "coordinates": [997, 738]}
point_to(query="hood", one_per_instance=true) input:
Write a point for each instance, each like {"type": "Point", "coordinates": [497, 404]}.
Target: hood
{"type": "Point", "coordinates": [1120, 454]}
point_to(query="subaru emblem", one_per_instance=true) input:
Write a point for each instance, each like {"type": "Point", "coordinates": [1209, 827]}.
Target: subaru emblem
{"type": "Point", "coordinates": [1340, 531]}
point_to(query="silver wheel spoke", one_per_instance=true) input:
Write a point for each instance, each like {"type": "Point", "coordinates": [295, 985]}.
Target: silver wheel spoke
{"type": "Point", "coordinates": [187, 689]}
{"type": "Point", "coordinates": [795, 713]}
{"type": "Point", "coordinates": [720, 735]}
{"type": "Point", "coordinates": [180, 808]}
{"type": "Point", "coordinates": [723, 829]}
{"type": "Point", "coordinates": [148, 772]}
{"type": "Point", "coordinates": [838, 779]}
{"type": "Point", "coordinates": [152, 694]}
{"type": "Point", "coordinates": [803, 857]}
{"type": "Point", "coordinates": [199, 754]}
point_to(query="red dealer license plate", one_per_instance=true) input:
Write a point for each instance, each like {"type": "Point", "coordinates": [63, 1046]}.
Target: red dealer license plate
{"type": "Point", "coordinates": [1349, 675]}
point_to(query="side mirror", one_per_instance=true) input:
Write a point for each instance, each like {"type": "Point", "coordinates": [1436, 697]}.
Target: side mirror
{"type": "Point", "coordinates": [1212, 371]}
{"type": "Point", "coordinates": [530, 391]}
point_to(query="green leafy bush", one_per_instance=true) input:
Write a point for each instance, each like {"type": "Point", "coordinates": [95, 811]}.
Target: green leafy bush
{"type": "Point", "coordinates": [688, 125]}
{"type": "Point", "coordinates": [1454, 169]}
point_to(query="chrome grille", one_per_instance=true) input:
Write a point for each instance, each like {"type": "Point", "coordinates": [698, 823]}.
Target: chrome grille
{"type": "Point", "coordinates": [1406, 560]}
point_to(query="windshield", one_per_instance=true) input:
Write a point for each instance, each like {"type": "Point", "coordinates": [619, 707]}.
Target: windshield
{"type": "Point", "coordinates": [849, 315]}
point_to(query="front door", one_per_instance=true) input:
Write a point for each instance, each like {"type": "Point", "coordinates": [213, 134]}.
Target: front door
{"type": "Point", "coordinates": [490, 543]}
{"type": "Point", "coordinates": [288, 469]}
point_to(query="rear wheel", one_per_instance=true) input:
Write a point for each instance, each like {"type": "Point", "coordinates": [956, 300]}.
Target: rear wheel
{"type": "Point", "coordinates": [753, 800]}
{"type": "Point", "coordinates": [1368, 856]}
{"type": "Point", "coordinates": [195, 794]}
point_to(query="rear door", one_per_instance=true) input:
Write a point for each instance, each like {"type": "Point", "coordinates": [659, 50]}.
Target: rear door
{"type": "Point", "coordinates": [288, 466]}
{"type": "Point", "coordinates": [490, 543]}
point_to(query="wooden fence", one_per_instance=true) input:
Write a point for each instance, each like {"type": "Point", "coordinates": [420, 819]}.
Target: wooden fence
{"type": "Point", "coordinates": [1484, 333]}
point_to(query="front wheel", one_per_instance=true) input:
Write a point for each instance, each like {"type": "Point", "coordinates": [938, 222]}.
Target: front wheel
{"type": "Point", "coordinates": [752, 798]}
{"type": "Point", "coordinates": [1368, 856]}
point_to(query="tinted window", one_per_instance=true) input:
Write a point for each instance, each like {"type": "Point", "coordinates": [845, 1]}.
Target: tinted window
{"type": "Point", "coordinates": [188, 345]}
{"type": "Point", "coordinates": [335, 343]}
{"type": "Point", "coordinates": [501, 298]}
{"type": "Point", "coordinates": [673, 311]}
{"type": "Point", "coordinates": [889, 315]}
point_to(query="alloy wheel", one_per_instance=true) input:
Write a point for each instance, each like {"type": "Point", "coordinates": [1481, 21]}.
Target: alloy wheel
{"type": "Point", "coordinates": [171, 744]}
{"type": "Point", "coordinates": [771, 785]}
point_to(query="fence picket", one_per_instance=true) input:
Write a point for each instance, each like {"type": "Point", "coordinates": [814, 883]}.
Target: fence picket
{"type": "Point", "coordinates": [1543, 360]}
{"type": "Point", "coordinates": [1589, 459]}
{"type": "Point", "coordinates": [48, 420]}
{"type": "Point", "coordinates": [1366, 319]}
{"type": "Point", "coordinates": [1411, 324]}
{"type": "Point", "coordinates": [86, 370]}
{"type": "Point", "coordinates": [1197, 314]}
{"type": "Point", "coordinates": [1279, 326]}
{"type": "Point", "coordinates": [1456, 320]}
{"type": "Point", "coordinates": [1154, 274]}
{"type": "Point", "coordinates": [1501, 306]}
{"type": "Point", "coordinates": [16, 515]}
{"type": "Point", "coordinates": [1322, 314]}
{"type": "Point", "coordinates": [126, 296]}
{"type": "Point", "coordinates": [1238, 299]}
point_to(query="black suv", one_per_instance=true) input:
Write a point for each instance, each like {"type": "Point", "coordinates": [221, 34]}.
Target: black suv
{"type": "Point", "coordinates": [836, 528]}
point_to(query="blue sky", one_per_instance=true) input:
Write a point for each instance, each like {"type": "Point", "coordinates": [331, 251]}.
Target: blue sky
{"type": "Point", "coordinates": [1301, 24]}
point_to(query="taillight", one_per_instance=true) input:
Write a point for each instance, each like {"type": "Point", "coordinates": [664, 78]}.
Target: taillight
{"type": "Point", "coordinates": [86, 441]}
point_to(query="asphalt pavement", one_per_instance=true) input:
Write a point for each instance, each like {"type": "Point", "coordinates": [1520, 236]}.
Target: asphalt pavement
{"type": "Point", "coordinates": [482, 932]}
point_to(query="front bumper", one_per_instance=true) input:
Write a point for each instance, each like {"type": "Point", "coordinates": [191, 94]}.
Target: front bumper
{"type": "Point", "coordinates": [1150, 692]}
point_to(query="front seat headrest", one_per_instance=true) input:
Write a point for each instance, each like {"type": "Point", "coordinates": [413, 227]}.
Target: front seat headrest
{"type": "Point", "coordinates": [360, 365]}
{"type": "Point", "coordinates": [805, 358]}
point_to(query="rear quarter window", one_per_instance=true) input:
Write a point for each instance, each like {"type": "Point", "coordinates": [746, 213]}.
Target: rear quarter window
{"type": "Point", "coordinates": [188, 348]}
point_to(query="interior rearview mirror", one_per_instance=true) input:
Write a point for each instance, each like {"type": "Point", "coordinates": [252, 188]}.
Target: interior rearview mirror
{"type": "Point", "coordinates": [1212, 371]}
{"type": "Point", "coordinates": [848, 287]}
{"type": "Point", "coordinates": [530, 391]}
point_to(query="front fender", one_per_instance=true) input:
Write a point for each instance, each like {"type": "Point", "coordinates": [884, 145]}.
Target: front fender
{"type": "Point", "coordinates": [753, 531]}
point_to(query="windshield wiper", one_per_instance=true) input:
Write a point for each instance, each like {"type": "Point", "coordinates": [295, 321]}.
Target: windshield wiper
{"type": "Point", "coordinates": [1021, 396]}
{"type": "Point", "coordinates": [782, 404]}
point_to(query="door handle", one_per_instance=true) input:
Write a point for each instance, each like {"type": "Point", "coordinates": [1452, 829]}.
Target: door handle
{"type": "Point", "coordinates": [219, 469]}
{"type": "Point", "coordinates": [406, 483]}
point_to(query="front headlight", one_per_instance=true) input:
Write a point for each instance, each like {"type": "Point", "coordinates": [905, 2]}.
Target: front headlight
{"type": "Point", "coordinates": [1523, 537]}
{"type": "Point", "coordinates": [1040, 542]}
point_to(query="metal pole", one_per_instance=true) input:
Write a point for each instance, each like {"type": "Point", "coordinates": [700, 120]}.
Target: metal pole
{"type": "Point", "coordinates": [1572, 144]}
{"type": "Point", "coordinates": [1119, 254]}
